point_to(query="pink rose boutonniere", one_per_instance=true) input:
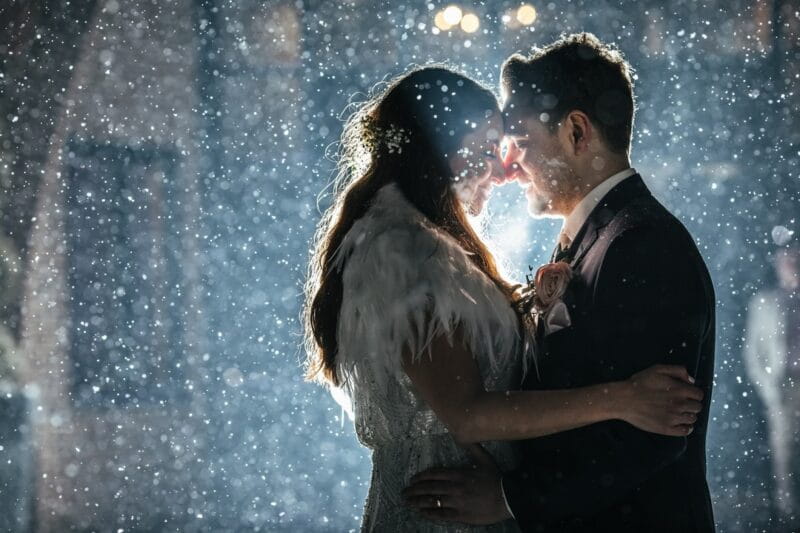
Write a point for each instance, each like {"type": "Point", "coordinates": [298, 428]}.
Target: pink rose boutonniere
{"type": "Point", "coordinates": [550, 284]}
{"type": "Point", "coordinates": [541, 298]}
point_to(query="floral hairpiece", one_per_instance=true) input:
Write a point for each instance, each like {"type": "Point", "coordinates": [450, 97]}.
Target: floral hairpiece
{"type": "Point", "coordinates": [393, 137]}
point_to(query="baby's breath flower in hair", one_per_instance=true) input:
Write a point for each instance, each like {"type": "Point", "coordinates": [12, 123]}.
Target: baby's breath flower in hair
{"type": "Point", "coordinates": [392, 137]}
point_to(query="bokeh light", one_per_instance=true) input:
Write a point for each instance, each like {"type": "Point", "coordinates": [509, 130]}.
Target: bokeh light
{"type": "Point", "coordinates": [440, 21]}
{"type": "Point", "coordinates": [470, 23]}
{"type": "Point", "coordinates": [452, 15]}
{"type": "Point", "coordinates": [526, 14]}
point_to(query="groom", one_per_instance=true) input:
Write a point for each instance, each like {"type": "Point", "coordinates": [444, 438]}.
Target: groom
{"type": "Point", "coordinates": [640, 295]}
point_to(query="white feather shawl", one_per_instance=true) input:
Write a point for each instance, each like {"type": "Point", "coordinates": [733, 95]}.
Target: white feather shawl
{"type": "Point", "coordinates": [405, 282]}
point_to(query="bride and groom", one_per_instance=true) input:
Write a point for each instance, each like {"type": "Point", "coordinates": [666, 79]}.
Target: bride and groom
{"type": "Point", "coordinates": [576, 402]}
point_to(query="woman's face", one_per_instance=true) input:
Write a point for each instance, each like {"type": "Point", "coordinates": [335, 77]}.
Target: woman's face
{"type": "Point", "coordinates": [476, 165]}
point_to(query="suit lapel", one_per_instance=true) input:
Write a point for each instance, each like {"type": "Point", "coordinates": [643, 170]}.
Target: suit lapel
{"type": "Point", "coordinates": [625, 192]}
{"type": "Point", "coordinates": [616, 199]}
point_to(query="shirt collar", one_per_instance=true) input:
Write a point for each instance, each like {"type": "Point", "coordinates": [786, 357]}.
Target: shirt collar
{"type": "Point", "coordinates": [576, 219]}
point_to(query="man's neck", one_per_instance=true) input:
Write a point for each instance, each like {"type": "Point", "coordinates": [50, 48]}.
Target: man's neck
{"type": "Point", "coordinates": [589, 183]}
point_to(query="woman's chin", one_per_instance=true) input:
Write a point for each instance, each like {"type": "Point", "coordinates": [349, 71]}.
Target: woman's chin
{"type": "Point", "coordinates": [478, 203]}
{"type": "Point", "coordinates": [475, 207]}
{"type": "Point", "coordinates": [473, 210]}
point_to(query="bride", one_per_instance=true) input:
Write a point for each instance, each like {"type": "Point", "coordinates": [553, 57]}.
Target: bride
{"type": "Point", "coordinates": [408, 317]}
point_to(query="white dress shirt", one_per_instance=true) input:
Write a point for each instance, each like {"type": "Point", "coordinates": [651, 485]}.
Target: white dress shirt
{"type": "Point", "coordinates": [576, 219]}
{"type": "Point", "coordinates": [572, 225]}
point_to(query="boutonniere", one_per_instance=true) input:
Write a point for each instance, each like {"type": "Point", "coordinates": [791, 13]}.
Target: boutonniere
{"type": "Point", "coordinates": [541, 296]}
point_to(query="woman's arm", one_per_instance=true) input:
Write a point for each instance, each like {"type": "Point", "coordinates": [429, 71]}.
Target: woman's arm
{"type": "Point", "coordinates": [659, 400]}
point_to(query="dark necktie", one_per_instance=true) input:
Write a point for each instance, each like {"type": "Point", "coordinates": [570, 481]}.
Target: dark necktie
{"type": "Point", "coordinates": [563, 247]}
{"type": "Point", "coordinates": [561, 253]}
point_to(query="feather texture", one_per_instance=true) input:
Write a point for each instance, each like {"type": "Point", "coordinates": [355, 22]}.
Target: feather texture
{"type": "Point", "coordinates": [405, 282]}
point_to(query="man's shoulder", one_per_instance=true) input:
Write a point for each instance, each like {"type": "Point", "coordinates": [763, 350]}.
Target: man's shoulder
{"type": "Point", "coordinates": [647, 238]}
{"type": "Point", "coordinates": [644, 213]}
{"type": "Point", "coordinates": [654, 225]}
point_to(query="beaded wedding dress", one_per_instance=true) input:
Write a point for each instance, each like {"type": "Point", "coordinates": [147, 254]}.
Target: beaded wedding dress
{"type": "Point", "coordinates": [406, 281]}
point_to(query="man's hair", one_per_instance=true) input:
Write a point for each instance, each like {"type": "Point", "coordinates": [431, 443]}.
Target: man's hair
{"type": "Point", "coordinates": [577, 72]}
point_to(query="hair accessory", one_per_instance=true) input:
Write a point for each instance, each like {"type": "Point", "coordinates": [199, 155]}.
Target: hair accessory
{"type": "Point", "coordinates": [393, 137]}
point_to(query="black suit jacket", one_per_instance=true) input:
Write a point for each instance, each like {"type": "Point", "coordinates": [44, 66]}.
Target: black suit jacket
{"type": "Point", "coordinates": [640, 295]}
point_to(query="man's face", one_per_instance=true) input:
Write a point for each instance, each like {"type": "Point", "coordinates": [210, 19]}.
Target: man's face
{"type": "Point", "coordinates": [535, 157]}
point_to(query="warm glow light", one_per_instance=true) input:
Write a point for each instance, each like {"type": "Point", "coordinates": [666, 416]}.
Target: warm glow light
{"type": "Point", "coordinates": [526, 14]}
{"type": "Point", "coordinates": [470, 23]}
{"type": "Point", "coordinates": [452, 15]}
{"type": "Point", "coordinates": [440, 22]}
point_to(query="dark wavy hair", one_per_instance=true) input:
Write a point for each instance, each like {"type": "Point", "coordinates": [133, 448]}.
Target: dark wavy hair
{"type": "Point", "coordinates": [433, 108]}
{"type": "Point", "coordinates": [577, 72]}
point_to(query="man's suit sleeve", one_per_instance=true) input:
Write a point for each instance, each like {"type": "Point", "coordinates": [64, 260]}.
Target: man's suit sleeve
{"type": "Point", "coordinates": [651, 308]}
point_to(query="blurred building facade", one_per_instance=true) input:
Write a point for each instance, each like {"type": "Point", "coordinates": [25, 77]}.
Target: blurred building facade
{"type": "Point", "coordinates": [111, 321]}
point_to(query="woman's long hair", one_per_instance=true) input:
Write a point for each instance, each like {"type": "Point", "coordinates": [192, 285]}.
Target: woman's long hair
{"type": "Point", "coordinates": [403, 135]}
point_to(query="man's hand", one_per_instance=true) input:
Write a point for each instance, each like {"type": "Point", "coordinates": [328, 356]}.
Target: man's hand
{"type": "Point", "coordinates": [469, 495]}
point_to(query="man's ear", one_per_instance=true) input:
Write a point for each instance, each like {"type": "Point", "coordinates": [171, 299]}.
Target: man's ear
{"type": "Point", "coordinates": [578, 131]}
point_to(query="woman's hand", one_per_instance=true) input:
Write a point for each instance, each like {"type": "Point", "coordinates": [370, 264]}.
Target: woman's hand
{"type": "Point", "coordinates": [661, 400]}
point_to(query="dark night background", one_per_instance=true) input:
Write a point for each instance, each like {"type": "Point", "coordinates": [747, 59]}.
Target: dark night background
{"type": "Point", "coordinates": [163, 166]}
